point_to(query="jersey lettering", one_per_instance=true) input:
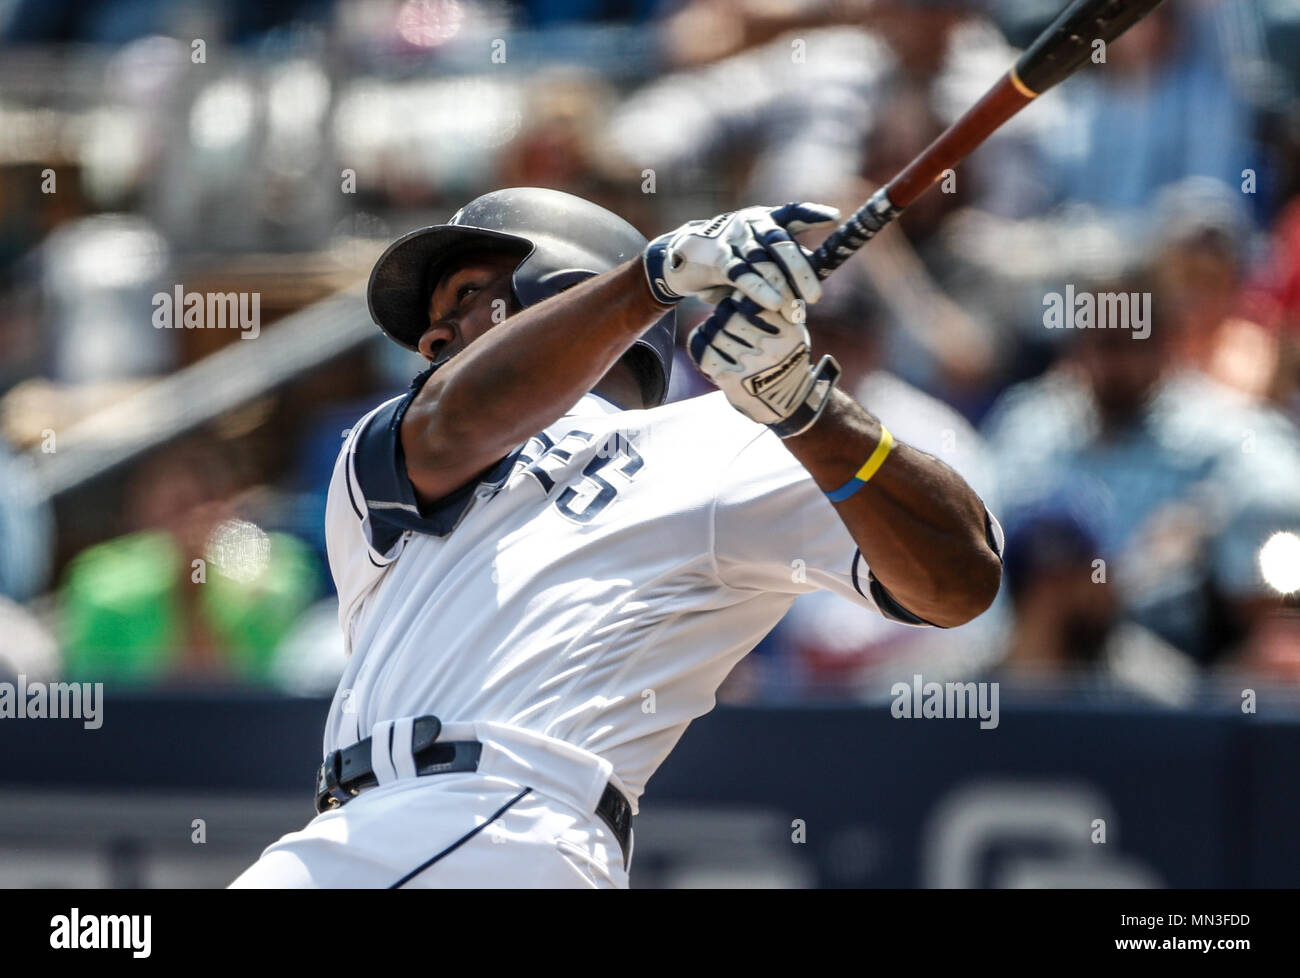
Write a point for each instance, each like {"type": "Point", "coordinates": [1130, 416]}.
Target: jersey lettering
{"type": "Point", "coordinates": [591, 492]}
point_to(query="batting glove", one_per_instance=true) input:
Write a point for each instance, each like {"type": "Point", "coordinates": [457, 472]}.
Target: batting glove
{"type": "Point", "coordinates": [749, 250]}
{"type": "Point", "coordinates": [760, 360]}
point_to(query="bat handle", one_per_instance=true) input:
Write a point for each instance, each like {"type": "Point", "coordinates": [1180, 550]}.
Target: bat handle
{"type": "Point", "coordinates": [843, 242]}
{"type": "Point", "coordinates": [860, 228]}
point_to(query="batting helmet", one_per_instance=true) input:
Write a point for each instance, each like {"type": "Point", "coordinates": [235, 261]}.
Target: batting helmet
{"type": "Point", "coordinates": [561, 240]}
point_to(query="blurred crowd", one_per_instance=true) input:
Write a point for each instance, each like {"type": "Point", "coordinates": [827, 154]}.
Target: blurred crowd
{"type": "Point", "coordinates": [1148, 479]}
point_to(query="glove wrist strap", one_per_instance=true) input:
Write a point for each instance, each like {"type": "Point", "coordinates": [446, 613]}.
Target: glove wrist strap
{"type": "Point", "coordinates": [819, 392]}
{"type": "Point", "coordinates": [654, 258]}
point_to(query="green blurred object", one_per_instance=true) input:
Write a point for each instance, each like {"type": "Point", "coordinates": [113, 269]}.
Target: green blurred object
{"type": "Point", "coordinates": [250, 618]}
{"type": "Point", "coordinates": [120, 614]}
{"type": "Point", "coordinates": [122, 608]}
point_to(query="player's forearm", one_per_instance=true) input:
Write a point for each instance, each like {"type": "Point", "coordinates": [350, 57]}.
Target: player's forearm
{"type": "Point", "coordinates": [919, 526]}
{"type": "Point", "coordinates": [521, 376]}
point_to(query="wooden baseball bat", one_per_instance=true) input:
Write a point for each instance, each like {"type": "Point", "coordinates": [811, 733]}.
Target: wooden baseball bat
{"type": "Point", "coordinates": [1057, 53]}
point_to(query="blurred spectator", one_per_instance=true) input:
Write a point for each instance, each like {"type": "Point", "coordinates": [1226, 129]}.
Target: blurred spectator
{"type": "Point", "coordinates": [192, 591]}
{"type": "Point", "coordinates": [793, 117]}
{"type": "Point", "coordinates": [1171, 101]}
{"type": "Point", "coordinates": [564, 112]}
{"type": "Point", "coordinates": [1276, 297]}
{"type": "Point", "coordinates": [1188, 478]}
{"type": "Point", "coordinates": [1271, 652]}
{"type": "Point", "coordinates": [788, 96]}
{"type": "Point", "coordinates": [1201, 248]}
{"type": "Point", "coordinates": [1069, 630]}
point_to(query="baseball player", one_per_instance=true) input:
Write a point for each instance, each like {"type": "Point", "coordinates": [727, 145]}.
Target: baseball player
{"type": "Point", "coordinates": [544, 572]}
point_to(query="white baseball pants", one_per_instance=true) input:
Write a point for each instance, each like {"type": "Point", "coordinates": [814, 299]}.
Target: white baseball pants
{"type": "Point", "coordinates": [536, 827]}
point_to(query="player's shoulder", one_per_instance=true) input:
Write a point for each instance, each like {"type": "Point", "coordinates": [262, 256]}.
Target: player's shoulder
{"type": "Point", "coordinates": [700, 434]}
{"type": "Point", "coordinates": [712, 406]}
{"type": "Point", "coordinates": [710, 421]}
{"type": "Point", "coordinates": [709, 416]}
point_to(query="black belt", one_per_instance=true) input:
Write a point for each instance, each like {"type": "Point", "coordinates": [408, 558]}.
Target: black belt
{"type": "Point", "coordinates": [347, 772]}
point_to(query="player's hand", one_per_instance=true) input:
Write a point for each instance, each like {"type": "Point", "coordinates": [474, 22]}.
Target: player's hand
{"type": "Point", "coordinates": [750, 250]}
{"type": "Point", "coordinates": [761, 360]}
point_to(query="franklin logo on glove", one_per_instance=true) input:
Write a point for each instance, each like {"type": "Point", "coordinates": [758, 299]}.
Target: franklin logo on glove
{"type": "Point", "coordinates": [759, 383]}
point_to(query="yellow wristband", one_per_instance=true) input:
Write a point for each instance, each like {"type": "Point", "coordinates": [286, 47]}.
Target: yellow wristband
{"type": "Point", "coordinates": [869, 468]}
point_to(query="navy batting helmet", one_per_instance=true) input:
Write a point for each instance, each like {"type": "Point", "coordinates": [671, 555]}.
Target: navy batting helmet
{"type": "Point", "coordinates": [561, 240]}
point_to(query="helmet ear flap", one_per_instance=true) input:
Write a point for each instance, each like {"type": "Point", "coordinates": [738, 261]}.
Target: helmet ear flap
{"type": "Point", "coordinates": [649, 374]}
{"type": "Point", "coordinates": [553, 283]}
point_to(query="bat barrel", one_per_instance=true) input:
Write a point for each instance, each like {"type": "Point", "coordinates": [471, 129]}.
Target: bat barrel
{"type": "Point", "coordinates": [1067, 44]}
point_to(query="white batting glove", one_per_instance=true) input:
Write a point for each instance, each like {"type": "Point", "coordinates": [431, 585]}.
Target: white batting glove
{"type": "Point", "coordinates": [761, 361]}
{"type": "Point", "coordinates": [750, 250]}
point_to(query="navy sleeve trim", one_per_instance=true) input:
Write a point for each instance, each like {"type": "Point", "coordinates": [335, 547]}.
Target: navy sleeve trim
{"type": "Point", "coordinates": [347, 481]}
{"type": "Point", "coordinates": [389, 496]}
{"type": "Point", "coordinates": [884, 601]}
{"type": "Point", "coordinates": [990, 535]}
{"type": "Point", "coordinates": [857, 585]}
{"type": "Point", "coordinates": [889, 606]}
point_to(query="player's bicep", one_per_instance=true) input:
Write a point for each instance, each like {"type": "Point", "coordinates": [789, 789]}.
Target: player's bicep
{"type": "Point", "coordinates": [433, 475]}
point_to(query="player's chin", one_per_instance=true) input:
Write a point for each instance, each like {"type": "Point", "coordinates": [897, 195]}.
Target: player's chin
{"type": "Point", "coordinates": [444, 350]}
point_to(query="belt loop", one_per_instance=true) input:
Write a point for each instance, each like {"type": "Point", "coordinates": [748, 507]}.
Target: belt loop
{"type": "Point", "coordinates": [381, 759]}
{"type": "Point", "coordinates": [401, 750]}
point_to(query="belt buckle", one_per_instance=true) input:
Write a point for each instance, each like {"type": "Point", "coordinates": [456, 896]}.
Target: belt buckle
{"type": "Point", "coordinates": [329, 793]}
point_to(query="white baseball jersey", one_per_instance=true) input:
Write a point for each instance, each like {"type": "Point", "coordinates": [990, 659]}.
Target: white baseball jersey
{"type": "Point", "coordinates": [595, 587]}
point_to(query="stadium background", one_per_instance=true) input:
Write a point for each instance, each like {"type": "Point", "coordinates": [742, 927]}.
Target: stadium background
{"type": "Point", "coordinates": [1146, 645]}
